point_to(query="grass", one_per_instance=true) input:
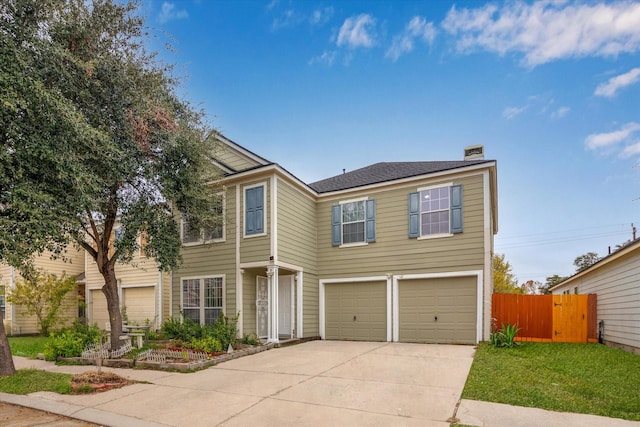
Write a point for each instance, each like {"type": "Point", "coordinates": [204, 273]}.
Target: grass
{"type": "Point", "coordinates": [582, 378]}
{"type": "Point", "coordinates": [26, 381]}
{"type": "Point", "coordinates": [27, 346]}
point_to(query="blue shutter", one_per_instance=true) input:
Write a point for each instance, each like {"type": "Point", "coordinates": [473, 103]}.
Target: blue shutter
{"type": "Point", "coordinates": [414, 215]}
{"type": "Point", "coordinates": [456, 209]}
{"type": "Point", "coordinates": [254, 210]}
{"type": "Point", "coordinates": [370, 229]}
{"type": "Point", "coordinates": [336, 224]}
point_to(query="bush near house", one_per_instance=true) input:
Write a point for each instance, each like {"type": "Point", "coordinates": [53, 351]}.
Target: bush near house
{"type": "Point", "coordinates": [191, 334]}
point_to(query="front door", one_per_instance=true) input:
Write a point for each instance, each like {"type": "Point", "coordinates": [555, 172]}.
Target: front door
{"type": "Point", "coordinates": [262, 307]}
{"type": "Point", "coordinates": [285, 295]}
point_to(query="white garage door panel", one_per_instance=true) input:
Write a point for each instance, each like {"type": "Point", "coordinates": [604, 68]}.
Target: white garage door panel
{"type": "Point", "coordinates": [438, 310]}
{"type": "Point", "coordinates": [140, 303]}
{"type": "Point", "coordinates": [99, 312]}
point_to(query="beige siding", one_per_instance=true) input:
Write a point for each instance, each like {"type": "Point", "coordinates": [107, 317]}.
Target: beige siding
{"type": "Point", "coordinates": [394, 252]}
{"type": "Point", "coordinates": [249, 301]}
{"type": "Point", "coordinates": [618, 303]}
{"type": "Point", "coordinates": [311, 309]}
{"type": "Point", "coordinates": [211, 259]}
{"type": "Point", "coordinates": [296, 227]}
{"type": "Point", "coordinates": [235, 159]}
{"type": "Point", "coordinates": [98, 306]}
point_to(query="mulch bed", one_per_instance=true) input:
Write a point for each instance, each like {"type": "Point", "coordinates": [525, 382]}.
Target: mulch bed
{"type": "Point", "coordinates": [93, 381]}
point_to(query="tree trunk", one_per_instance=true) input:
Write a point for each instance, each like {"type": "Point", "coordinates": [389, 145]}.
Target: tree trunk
{"type": "Point", "coordinates": [110, 291]}
{"type": "Point", "coordinates": [6, 359]}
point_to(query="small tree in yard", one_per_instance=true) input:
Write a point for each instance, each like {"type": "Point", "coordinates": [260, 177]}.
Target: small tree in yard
{"type": "Point", "coordinates": [42, 295]}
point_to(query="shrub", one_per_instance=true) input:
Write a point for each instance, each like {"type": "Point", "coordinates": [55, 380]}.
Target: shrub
{"type": "Point", "coordinates": [70, 342]}
{"type": "Point", "coordinates": [250, 339]}
{"type": "Point", "coordinates": [505, 337]}
{"type": "Point", "coordinates": [224, 330]}
{"type": "Point", "coordinates": [208, 344]}
{"type": "Point", "coordinates": [183, 331]}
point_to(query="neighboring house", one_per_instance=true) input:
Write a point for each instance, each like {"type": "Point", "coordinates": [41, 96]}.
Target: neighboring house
{"type": "Point", "coordinates": [143, 290]}
{"type": "Point", "coordinates": [16, 321]}
{"type": "Point", "coordinates": [397, 251]}
{"type": "Point", "coordinates": [616, 281]}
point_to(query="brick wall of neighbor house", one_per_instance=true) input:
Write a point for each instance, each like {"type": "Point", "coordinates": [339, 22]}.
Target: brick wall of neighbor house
{"type": "Point", "coordinates": [23, 323]}
{"type": "Point", "coordinates": [211, 259]}
{"type": "Point", "coordinates": [618, 290]}
{"type": "Point", "coordinates": [393, 251]}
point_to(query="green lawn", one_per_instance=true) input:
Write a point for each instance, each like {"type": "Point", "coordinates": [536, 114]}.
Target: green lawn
{"type": "Point", "coordinates": [26, 381]}
{"type": "Point", "coordinates": [27, 346]}
{"type": "Point", "coordinates": [582, 378]}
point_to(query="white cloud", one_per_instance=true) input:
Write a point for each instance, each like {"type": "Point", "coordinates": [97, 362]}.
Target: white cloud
{"type": "Point", "coordinates": [511, 112]}
{"type": "Point", "coordinates": [357, 31]}
{"type": "Point", "coordinates": [631, 150]}
{"type": "Point", "coordinates": [168, 13]}
{"type": "Point", "coordinates": [560, 112]}
{"type": "Point", "coordinates": [546, 31]}
{"type": "Point", "coordinates": [321, 16]}
{"type": "Point", "coordinates": [601, 140]}
{"type": "Point", "coordinates": [616, 83]}
{"type": "Point", "coordinates": [417, 28]}
{"type": "Point", "coordinates": [289, 19]}
{"type": "Point", "coordinates": [327, 58]}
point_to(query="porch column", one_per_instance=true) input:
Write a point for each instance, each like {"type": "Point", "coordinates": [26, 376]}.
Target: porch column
{"type": "Point", "coordinates": [272, 277]}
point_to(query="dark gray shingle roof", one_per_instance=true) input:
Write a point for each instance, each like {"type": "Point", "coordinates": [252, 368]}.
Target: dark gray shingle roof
{"type": "Point", "coordinates": [387, 171]}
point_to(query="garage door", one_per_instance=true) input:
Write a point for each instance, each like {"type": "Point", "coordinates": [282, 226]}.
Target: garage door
{"type": "Point", "coordinates": [438, 310]}
{"type": "Point", "coordinates": [99, 312]}
{"type": "Point", "coordinates": [140, 303]}
{"type": "Point", "coordinates": [356, 311]}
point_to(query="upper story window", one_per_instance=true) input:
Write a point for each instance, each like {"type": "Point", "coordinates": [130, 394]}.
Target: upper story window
{"type": "Point", "coordinates": [2, 305]}
{"type": "Point", "coordinates": [353, 221]}
{"type": "Point", "coordinates": [435, 211]}
{"type": "Point", "coordinates": [254, 212]}
{"type": "Point", "coordinates": [193, 235]}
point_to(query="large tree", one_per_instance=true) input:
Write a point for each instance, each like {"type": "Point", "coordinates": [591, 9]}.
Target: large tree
{"type": "Point", "coordinates": [503, 279]}
{"type": "Point", "coordinates": [585, 261]}
{"type": "Point", "coordinates": [94, 135]}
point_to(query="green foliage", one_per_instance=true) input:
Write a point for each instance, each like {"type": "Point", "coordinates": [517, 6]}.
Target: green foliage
{"type": "Point", "coordinates": [42, 295]}
{"type": "Point", "coordinates": [28, 346]}
{"type": "Point", "coordinates": [585, 261]}
{"type": "Point", "coordinates": [26, 381]}
{"type": "Point", "coordinates": [224, 329]}
{"type": "Point", "coordinates": [550, 282]}
{"type": "Point", "coordinates": [72, 341]}
{"type": "Point", "coordinates": [250, 339]}
{"type": "Point", "coordinates": [505, 336]}
{"type": "Point", "coordinates": [581, 378]}
{"type": "Point", "coordinates": [184, 331]}
{"type": "Point", "coordinates": [503, 279]}
{"type": "Point", "coordinates": [208, 344]}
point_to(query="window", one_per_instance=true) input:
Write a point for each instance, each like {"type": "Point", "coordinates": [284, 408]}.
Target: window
{"type": "Point", "coordinates": [203, 299]}
{"type": "Point", "coordinates": [2, 304]}
{"type": "Point", "coordinates": [435, 211]}
{"type": "Point", "coordinates": [353, 222]}
{"type": "Point", "coordinates": [254, 210]}
{"type": "Point", "coordinates": [194, 235]}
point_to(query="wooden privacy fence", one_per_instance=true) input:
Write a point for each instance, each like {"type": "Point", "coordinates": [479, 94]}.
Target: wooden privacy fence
{"type": "Point", "coordinates": [547, 318]}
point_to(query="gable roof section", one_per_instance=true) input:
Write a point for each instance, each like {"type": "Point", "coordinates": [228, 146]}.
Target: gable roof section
{"type": "Point", "coordinates": [234, 158]}
{"type": "Point", "coordinates": [387, 171]}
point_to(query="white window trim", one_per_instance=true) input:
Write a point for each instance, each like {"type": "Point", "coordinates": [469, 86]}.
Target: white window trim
{"type": "Point", "coordinates": [202, 240]}
{"type": "Point", "coordinates": [201, 279]}
{"type": "Point", "coordinates": [264, 210]}
{"type": "Point", "coordinates": [354, 244]}
{"type": "Point", "coordinates": [439, 235]}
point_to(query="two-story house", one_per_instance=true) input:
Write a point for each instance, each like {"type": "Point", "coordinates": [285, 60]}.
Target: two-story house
{"type": "Point", "coordinates": [396, 251]}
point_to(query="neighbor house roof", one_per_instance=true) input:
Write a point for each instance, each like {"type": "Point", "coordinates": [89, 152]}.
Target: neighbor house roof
{"type": "Point", "coordinates": [387, 171]}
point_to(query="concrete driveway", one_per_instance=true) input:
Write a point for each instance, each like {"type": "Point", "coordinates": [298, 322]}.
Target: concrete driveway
{"type": "Point", "coordinates": [314, 383]}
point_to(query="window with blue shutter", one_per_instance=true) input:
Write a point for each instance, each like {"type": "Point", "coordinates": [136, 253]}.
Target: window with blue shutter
{"type": "Point", "coordinates": [435, 211]}
{"type": "Point", "coordinates": [353, 222]}
{"type": "Point", "coordinates": [254, 210]}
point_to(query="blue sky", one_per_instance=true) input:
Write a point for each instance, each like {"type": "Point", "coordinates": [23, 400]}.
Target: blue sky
{"type": "Point", "coordinates": [551, 89]}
